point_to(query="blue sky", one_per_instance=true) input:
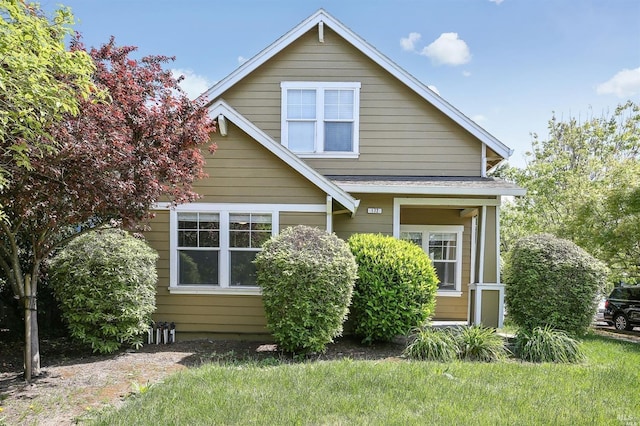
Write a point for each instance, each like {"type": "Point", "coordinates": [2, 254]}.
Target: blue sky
{"type": "Point", "coordinates": [507, 64]}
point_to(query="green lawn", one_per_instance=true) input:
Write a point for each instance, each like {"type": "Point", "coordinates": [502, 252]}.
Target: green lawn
{"type": "Point", "coordinates": [605, 389]}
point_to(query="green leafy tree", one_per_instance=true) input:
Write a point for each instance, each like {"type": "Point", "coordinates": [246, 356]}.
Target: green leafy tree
{"type": "Point", "coordinates": [106, 284]}
{"type": "Point", "coordinates": [580, 186]}
{"type": "Point", "coordinates": [40, 81]}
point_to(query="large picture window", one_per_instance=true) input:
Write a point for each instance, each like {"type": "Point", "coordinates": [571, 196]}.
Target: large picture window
{"type": "Point", "coordinates": [443, 244]}
{"type": "Point", "coordinates": [218, 248]}
{"type": "Point", "coordinates": [320, 118]}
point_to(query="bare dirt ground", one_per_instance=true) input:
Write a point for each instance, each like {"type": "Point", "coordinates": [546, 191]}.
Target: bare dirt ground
{"type": "Point", "coordinates": [75, 384]}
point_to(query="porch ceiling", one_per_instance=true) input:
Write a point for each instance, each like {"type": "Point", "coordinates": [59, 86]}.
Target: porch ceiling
{"type": "Point", "coordinates": [426, 185]}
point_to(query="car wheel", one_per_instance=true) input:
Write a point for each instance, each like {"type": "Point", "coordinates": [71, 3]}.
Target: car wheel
{"type": "Point", "coordinates": [620, 322]}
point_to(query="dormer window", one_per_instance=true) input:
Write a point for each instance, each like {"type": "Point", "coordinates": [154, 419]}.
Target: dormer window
{"type": "Point", "coordinates": [321, 119]}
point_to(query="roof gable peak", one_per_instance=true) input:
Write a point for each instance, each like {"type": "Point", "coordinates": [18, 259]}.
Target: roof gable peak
{"type": "Point", "coordinates": [322, 16]}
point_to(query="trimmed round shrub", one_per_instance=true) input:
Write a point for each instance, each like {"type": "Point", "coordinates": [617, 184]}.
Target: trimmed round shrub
{"type": "Point", "coordinates": [105, 282]}
{"type": "Point", "coordinates": [395, 290]}
{"type": "Point", "coordinates": [307, 278]}
{"type": "Point", "coordinates": [551, 281]}
{"type": "Point", "coordinates": [544, 344]}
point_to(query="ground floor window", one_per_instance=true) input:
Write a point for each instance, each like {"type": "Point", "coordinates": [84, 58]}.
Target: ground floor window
{"type": "Point", "coordinates": [443, 244]}
{"type": "Point", "coordinates": [217, 248]}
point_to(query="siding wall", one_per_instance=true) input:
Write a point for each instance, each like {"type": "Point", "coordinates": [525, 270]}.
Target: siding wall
{"type": "Point", "coordinates": [400, 133]}
{"type": "Point", "coordinates": [241, 171]}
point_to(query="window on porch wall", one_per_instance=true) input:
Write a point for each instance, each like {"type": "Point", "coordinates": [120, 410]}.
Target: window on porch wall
{"type": "Point", "coordinates": [443, 244]}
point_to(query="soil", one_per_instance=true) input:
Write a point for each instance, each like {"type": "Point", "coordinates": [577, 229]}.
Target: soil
{"type": "Point", "coordinates": [76, 384]}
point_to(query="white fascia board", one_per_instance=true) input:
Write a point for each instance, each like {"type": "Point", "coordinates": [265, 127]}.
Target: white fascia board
{"type": "Point", "coordinates": [420, 190]}
{"type": "Point", "coordinates": [338, 194]}
{"type": "Point", "coordinates": [375, 55]}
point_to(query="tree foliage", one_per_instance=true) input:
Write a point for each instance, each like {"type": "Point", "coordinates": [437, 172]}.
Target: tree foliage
{"type": "Point", "coordinates": [552, 282]}
{"type": "Point", "coordinates": [307, 278]}
{"type": "Point", "coordinates": [582, 184]}
{"type": "Point", "coordinates": [114, 160]}
{"type": "Point", "coordinates": [40, 81]}
{"type": "Point", "coordinates": [106, 284]}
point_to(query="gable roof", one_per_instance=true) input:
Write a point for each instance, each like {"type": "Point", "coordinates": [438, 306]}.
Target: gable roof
{"type": "Point", "coordinates": [322, 17]}
{"type": "Point", "coordinates": [220, 107]}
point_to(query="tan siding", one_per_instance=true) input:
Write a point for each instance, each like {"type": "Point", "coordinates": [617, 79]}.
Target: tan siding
{"type": "Point", "coordinates": [212, 313]}
{"type": "Point", "coordinates": [400, 133]}
{"type": "Point", "coordinates": [344, 225]}
{"type": "Point", "coordinates": [242, 171]}
{"type": "Point", "coordinates": [318, 220]}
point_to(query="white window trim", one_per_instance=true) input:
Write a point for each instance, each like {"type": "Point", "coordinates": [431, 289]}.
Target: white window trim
{"type": "Point", "coordinates": [274, 209]}
{"type": "Point", "coordinates": [457, 229]}
{"type": "Point", "coordinates": [319, 135]}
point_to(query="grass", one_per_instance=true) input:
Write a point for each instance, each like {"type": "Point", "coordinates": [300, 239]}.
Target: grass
{"type": "Point", "coordinates": [603, 389]}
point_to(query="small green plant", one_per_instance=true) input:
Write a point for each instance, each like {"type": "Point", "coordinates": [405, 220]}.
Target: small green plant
{"type": "Point", "coordinates": [544, 344]}
{"type": "Point", "coordinates": [307, 278]}
{"type": "Point", "coordinates": [551, 281]}
{"type": "Point", "coordinates": [137, 389]}
{"type": "Point", "coordinates": [395, 290]}
{"type": "Point", "coordinates": [478, 343]}
{"type": "Point", "coordinates": [431, 344]}
{"type": "Point", "coordinates": [105, 281]}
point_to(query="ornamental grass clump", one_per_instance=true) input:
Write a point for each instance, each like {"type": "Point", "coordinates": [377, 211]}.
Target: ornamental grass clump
{"type": "Point", "coordinates": [478, 343]}
{"type": "Point", "coordinates": [396, 287]}
{"type": "Point", "coordinates": [431, 344]}
{"type": "Point", "coordinates": [544, 344]}
{"type": "Point", "coordinates": [105, 282]}
{"type": "Point", "coordinates": [307, 278]}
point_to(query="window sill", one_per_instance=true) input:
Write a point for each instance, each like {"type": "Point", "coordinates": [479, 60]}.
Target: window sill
{"type": "Point", "coordinates": [327, 154]}
{"type": "Point", "coordinates": [232, 291]}
{"type": "Point", "coordinates": [448, 293]}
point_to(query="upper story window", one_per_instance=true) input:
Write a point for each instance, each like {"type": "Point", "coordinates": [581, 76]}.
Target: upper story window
{"type": "Point", "coordinates": [321, 119]}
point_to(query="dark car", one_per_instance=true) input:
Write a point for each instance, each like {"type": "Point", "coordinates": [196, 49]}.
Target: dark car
{"type": "Point", "coordinates": [622, 308]}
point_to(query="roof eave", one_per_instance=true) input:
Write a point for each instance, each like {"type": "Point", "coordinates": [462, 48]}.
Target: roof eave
{"type": "Point", "coordinates": [430, 190]}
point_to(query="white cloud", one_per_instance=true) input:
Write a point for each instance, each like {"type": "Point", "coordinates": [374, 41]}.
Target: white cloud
{"type": "Point", "coordinates": [497, 2]}
{"type": "Point", "coordinates": [624, 83]}
{"type": "Point", "coordinates": [409, 43]}
{"type": "Point", "coordinates": [466, 73]}
{"type": "Point", "coordinates": [479, 118]}
{"type": "Point", "coordinates": [193, 84]}
{"type": "Point", "coordinates": [242, 60]}
{"type": "Point", "coordinates": [434, 89]}
{"type": "Point", "coordinates": [448, 49]}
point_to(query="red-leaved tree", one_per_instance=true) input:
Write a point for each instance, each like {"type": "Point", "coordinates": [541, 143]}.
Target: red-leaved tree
{"type": "Point", "coordinates": [115, 160]}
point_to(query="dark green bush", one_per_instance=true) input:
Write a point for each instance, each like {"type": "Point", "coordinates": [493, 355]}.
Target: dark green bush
{"type": "Point", "coordinates": [544, 344]}
{"type": "Point", "coordinates": [395, 290]}
{"type": "Point", "coordinates": [550, 281]}
{"type": "Point", "coordinates": [307, 278]}
{"type": "Point", "coordinates": [105, 281]}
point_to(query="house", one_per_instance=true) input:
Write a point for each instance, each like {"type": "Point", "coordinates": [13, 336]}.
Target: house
{"type": "Point", "coordinates": [322, 129]}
